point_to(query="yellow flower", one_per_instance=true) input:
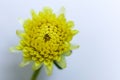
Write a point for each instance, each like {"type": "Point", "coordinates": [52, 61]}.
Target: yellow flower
{"type": "Point", "coordinates": [46, 39]}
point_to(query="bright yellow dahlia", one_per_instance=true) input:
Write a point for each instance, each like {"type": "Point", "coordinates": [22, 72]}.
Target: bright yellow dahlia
{"type": "Point", "coordinates": [46, 40]}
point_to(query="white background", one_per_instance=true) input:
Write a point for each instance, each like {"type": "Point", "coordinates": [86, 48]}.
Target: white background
{"type": "Point", "coordinates": [98, 21]}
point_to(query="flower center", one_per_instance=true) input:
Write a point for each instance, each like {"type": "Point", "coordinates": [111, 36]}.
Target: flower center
{"type": "Point", "coordinates": [46, 37]}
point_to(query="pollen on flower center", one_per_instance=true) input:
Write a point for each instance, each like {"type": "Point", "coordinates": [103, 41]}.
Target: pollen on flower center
{"type": "Point", "coordinates": [46, 37]}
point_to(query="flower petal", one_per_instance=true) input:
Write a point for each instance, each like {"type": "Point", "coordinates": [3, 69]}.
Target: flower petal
{"type": "Point", "coordinates": [68, 53]}
{"type": "Point", "coordinates": [24, 62]}
{"type": "Point", "coordinates": [74, 46]}
{"type": "Point", "coordinates": [49, 68]}
{"type": "Point", "coordinates": [62, 10]}
{"type": "Point", "coordinates": [70, 24]}
{"type": "Point", "coordinates": [21, 21]}
{"type": "Point", "coordinates": [20, 33]}
{"type": "Point", "coordinates": [34, 15]}
{"type": "Point", "coordinates": [62, 62]}
{"type": "Point", "coordinates": [36, 65]}
{"type": "Point", "coordinates": [47, 10]}
{"type": "Point", "coordinates": [13, 49]}
{"type": "Point", "coordinates": [74, 32]}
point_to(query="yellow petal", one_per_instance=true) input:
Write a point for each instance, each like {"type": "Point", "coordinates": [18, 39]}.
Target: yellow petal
{"type": "Point", "coordinates": [24, 62]}
{"type": "Point", "coordinates": [49, 68]}
{"type": "Point", "coordinates": [33, 14]}
{"type": "Point", "coordinates": [68, 53]}
{"type": "Point", "coordinates": [20, 33]}
{"type": "Point", "coordinates": [74, 46]}
{"type": "Point", "coordinates": [13, 49]}
{"type": "Point", "coordinates": [21, 21]}
{"type": "Point", "coordinates": [36, 65]}
{"type": "Point", "coordinates": [62, 62]}
{"type": "Point", "coordinates": [62, 10]}
{"type": "Point", "coordinates": [70, 24]}
{"type": "Point", "coordinates": [47, 10]}
{"type": "Point", "coordinates": [74, 32]}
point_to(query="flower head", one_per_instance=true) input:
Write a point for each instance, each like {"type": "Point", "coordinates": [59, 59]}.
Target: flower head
{"type": "Point", "coordinates": [46, 39]}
